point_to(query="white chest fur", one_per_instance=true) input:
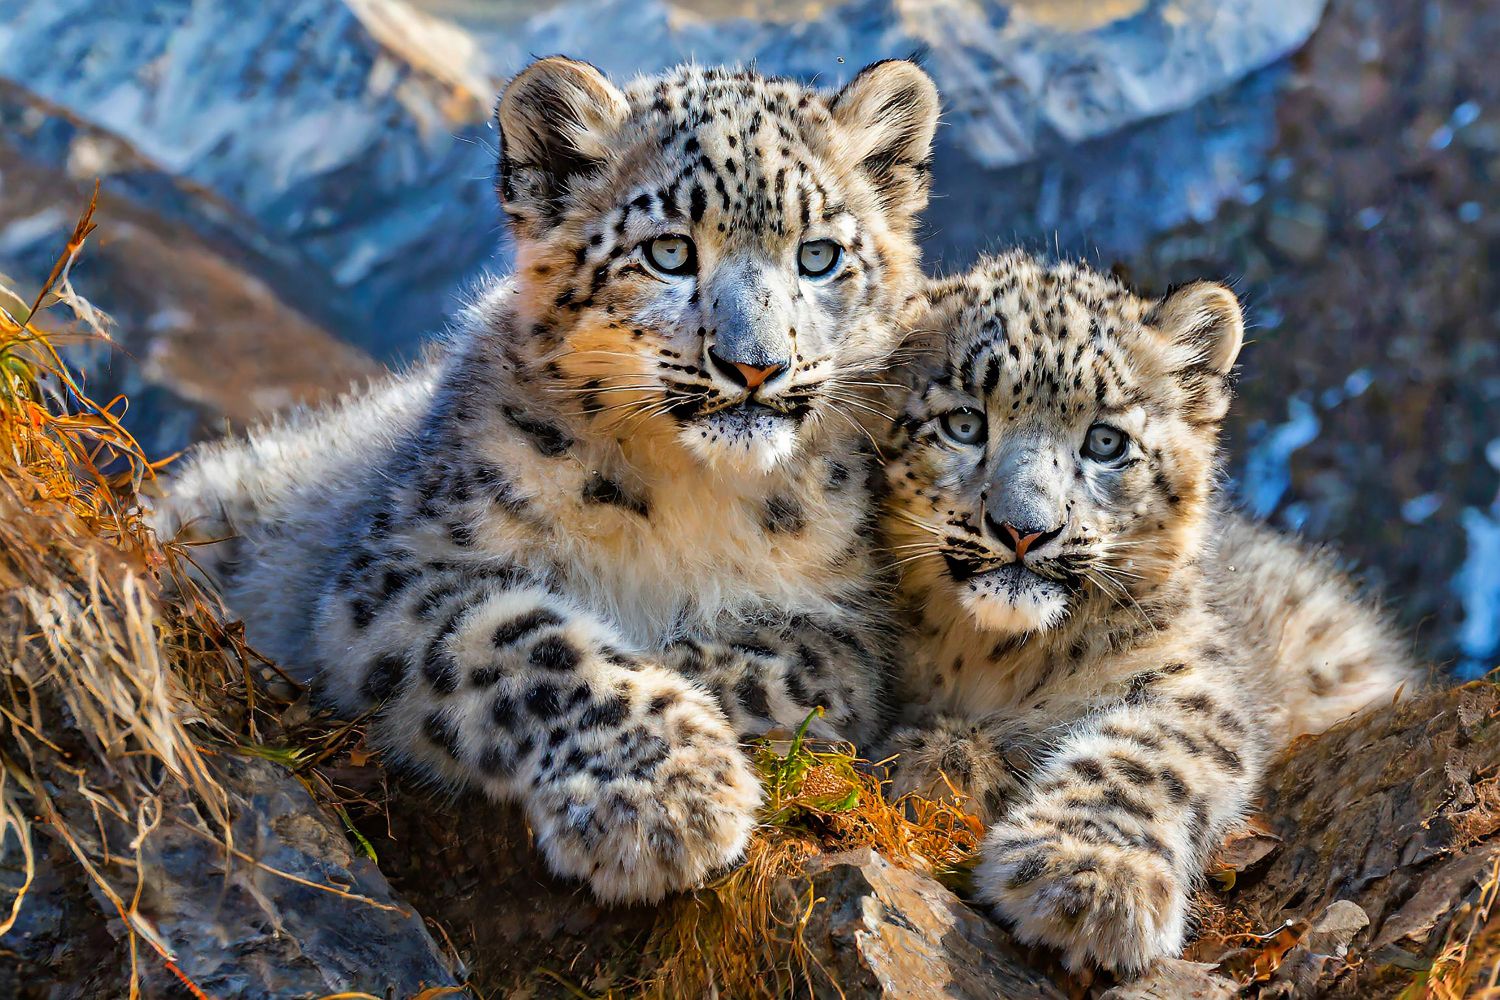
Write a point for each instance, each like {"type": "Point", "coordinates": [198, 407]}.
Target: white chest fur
{"type": "Point", "coordinates": [677, 550]}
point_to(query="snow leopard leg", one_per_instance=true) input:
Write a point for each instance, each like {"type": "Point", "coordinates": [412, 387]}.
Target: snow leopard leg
{"type": "Point", "coordinates": [630, 775]}
{"type": "Point", "coordinates": [1099, 858]}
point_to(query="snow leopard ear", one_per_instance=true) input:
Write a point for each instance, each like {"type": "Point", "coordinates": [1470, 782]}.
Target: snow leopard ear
{"type": "Point", "coordinates": [555, 120]}
{"type": "Point", "coordinates": [888, 114]}
{"type": "Point", "coordinates": [1204, 317]}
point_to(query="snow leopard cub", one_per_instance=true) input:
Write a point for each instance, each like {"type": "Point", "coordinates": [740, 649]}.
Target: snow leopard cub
{"type": "Point", "coordinates": [1106, 657]}
{"type": "Point", "coordinates": [623, 520]}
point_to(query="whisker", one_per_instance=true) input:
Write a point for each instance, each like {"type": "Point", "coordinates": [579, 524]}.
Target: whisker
{"type": "Point", "coordinates": [857, 404]}
{"type": "Point", "coordinates": [923, 525]}
{"type": "Point", "coordinates": [856, 425]}
{"type": "Point", "coordinates": [1099, 581]}
{"type": "Point", "coordinates": [572, 391]}
{"type": "Point", "coordinates": [928, 546]}
{"type": "Point", "coordinates": [906, 560]}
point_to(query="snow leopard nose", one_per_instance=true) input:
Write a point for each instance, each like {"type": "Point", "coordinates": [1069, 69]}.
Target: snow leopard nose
{"type": "Point", "coordinates": [1021, 538]}
{"type": "Point", "coordinates": [750, 376]}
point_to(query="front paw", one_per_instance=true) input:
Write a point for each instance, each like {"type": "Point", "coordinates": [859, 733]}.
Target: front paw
{"type": "Point", "coordinates": [1098, 904]}
{"type": "Point", "coordinates": [955, 758]}
{"type": "Point", "coordinates": [654, 808]}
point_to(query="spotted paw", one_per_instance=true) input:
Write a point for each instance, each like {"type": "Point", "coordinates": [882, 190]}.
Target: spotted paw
{"type": "Point", "coordinates": [1098, 904]}
{"type": "Point", "coordinates": [954, 757]}
{"type": "Point", "coordinates": [651, 809]}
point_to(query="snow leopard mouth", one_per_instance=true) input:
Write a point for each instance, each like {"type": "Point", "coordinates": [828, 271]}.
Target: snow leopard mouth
{"type": "Point", "coordinates": [1011, 574]}
{"type": "Point", "coordinates": [1011, 598]}
{"type": "Point", "coordinates": [751, 407]}
{"type": "Point", "coordinates": [749, 417]}
{"type": "Point", "coordinates": [1014, 580]}
{"type": "Point", "coordinates": [748, 434]}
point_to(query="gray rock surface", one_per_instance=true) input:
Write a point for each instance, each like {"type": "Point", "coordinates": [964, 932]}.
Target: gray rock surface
{"type": "Point", "coordinates": [295, 912]}
{"type": "Point", "coordinates": [339, 138]}
{"type": "Point", "coordinates": [248, 925]}
{"type": "Point", "coordinates": [885, 932]}
{"type": "Point", "coordinates": [201, 340]}
{"type": "Point", "coordinates": [1176, 980]}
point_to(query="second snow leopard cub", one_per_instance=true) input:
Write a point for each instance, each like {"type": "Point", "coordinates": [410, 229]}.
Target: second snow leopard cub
{"type": "Point", "coordinates": [625, 519]}
{"type": "Point", "coordinates": [1106, 657]}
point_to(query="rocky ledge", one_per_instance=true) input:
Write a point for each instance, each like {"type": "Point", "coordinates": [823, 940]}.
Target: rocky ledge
{"type": "Point", "coordinates": [1378, 845]}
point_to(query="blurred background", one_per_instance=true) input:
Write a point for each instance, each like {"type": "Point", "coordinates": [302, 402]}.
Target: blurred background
{"type": "Point", "coordinates": [295, 192]}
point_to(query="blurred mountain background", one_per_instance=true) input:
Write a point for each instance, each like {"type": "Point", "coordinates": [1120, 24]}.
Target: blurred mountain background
{"type": "Point", "coordinates": [298, 191]}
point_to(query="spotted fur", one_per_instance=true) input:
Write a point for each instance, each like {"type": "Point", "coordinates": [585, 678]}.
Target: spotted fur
{"type": "Point", "coordinates": [1105, 657]}
{"type": "Point", "coordinates": [575, 560]}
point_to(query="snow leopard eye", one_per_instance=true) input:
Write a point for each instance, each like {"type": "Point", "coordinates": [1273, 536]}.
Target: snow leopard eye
{"type": "Point", "coordinates": [819, 258]}
{"type": "Point", "coordinates": [1104, 443]}
{"type": "Point", "coordinates": [963, 426]}
{"type": "Point", "coordinates": [671, 255]}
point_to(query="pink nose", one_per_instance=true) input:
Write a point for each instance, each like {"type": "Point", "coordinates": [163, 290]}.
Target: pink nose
{"type": "Point", "coordinates": [755, 375]}
{"type": "Point", "coordinates": [750, 376]}
{"type": "Point", "coordinates": [1023, 542]}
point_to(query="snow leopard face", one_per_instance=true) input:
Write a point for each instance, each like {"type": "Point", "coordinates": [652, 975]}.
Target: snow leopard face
{"type": "Point", "coordinates": [1062, 439]}
{"type": "Point", "coordinates": [714, 257]}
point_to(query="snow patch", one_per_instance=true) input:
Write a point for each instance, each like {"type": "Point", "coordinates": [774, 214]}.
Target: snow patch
{"type": "Point", "coordinates": [1268, 471]}
{"type": "Point", "coordinates": [28, 230]}
{"type": "Point", "coordinates": [1478, 586]}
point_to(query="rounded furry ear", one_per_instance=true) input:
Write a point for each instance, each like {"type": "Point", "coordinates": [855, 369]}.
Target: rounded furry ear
{"type": "Point", "coordinates": [555, 120]}
{"type": "Point", "coordinates": [889, 114]}
{"type": "Point", "coordinates": [1205, 317]}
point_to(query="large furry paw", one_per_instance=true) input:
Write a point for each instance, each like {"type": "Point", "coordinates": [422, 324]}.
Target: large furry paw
{"type": "Point", "coordinates": [653, 807]}
{"type": "Point", "coordinates": [953, 755]}
{"type": "Point", "coordinates": [1120, 908]}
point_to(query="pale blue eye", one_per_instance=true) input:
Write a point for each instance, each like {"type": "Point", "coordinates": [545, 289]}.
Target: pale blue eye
{"type": "Point", "coordinates": [1104, 443]}
{"type": "Point", "coordinates": [818, 258]}
{"type": "Point", "coordinates": [965, 426]}
{"type": "Point", "coordinates": [673, 255]}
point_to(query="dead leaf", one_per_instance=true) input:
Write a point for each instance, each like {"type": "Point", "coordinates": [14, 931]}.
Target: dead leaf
{"type": "Point", "coordinates": [1333, 931]}
{"type": "Point", "coordinates": [1262, 954]}
{"type": "Point", "coordinates": [360, 754]}
{"type": "Point", "coordinates": [1248, 845]}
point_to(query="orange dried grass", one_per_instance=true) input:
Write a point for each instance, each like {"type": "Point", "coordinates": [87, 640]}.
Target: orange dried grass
{"type": "Point", "coordinates": [107, 691]}
{"type": "Point", "coordinates": [744, 934]}
{"type": "Point", "coordinates": [1467, 967]}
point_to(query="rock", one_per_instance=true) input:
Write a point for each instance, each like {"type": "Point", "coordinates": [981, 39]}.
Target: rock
{"type": "Point", "coordinates": [883, 931]}
{"type": "Point", "coordinates": [1299, 231]}
{"type": "Point", "coordinates": [469, 864]}
{"type": "Point", "coordinates": [345, 139]}
{"type": "Point", "coordinates": [250, 924]}
{"type": "Point", "coordinates": [202, 340]}
{"type": "Point", "coordinates": [1391, 822]}
{"type": "Point", "coordinates": [293, 912]}
{"type": "Point", "coordinates": [60, 945]}
{"type": "Point", "coordinates": [1173, 979]}
{"type": "Point", "coordinates": [350, 140]}
{"type": "Point", "coordinates": [1383, 343]}
{"type": "Point", "coordinates": [1332, 932]}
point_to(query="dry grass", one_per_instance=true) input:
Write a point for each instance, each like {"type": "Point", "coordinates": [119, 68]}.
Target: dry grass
{"type": "Point", "coordinates": [1467, 967]}
{"type": "Point", "coordinates": [743, 935]}
{"type": "Point", "coordinates": [105, 683]}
